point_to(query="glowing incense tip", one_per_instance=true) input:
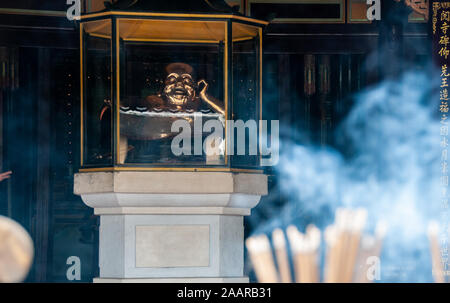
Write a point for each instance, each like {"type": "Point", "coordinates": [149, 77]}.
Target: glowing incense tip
{"type": "Point", "coordinates": [381, 229]}
{"type": "Point", "coordinates": [433, 228]}
{"type": "Point", "coordinates": [360, 217]}
{"type": "Point", "coordinates": [278, 238]}
{"type": "Point", "coordinates": [258, 244]}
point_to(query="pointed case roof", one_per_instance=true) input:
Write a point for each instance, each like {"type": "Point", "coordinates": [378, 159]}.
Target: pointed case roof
{"type": "Point", "coordinates": [172, 6]}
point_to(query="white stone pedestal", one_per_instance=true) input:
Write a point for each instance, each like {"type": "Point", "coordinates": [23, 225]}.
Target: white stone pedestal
{"type": "Point", "coordinates": [171, 226]}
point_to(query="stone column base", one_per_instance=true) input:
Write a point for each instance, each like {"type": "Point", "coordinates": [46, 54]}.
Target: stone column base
{"type": "Point", "coordinates": [161, 246]}
{"type": "Point", "coordinates": [161, 227]}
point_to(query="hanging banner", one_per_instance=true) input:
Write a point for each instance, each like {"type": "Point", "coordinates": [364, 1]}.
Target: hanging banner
{"type": "Point", "coordinates": [441, 54]}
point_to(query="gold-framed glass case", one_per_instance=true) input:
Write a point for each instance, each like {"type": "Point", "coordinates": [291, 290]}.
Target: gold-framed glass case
{"type": "Point", "coordinates": [159, 90]}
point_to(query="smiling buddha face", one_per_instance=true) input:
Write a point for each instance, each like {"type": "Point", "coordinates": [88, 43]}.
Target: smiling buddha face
{"type": "Point", "coordinates": [180, 87]}
{"type": "Point", "coordinates": [182, 92]}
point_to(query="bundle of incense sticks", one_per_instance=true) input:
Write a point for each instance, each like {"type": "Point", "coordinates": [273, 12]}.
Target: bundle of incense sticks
{"type": "Point", "coordinates": [347, 251]}
{"type": "Point", "coordinates": [437, 252]}
{"type": "Point", "coordinates": [305, 251]}
{"type": "Point", "coordinates": [281, 254]}
{"type": "Point", "coordinates": [371, 246]}
{"type": "Point", "coordinates": [343, 243]}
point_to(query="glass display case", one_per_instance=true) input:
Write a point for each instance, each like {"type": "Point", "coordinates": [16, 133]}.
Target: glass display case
{"type": "Point", "coordinates": [165, 91]}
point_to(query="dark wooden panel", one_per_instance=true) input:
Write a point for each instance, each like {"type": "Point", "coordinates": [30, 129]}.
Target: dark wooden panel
{"type": "Point", "coordinates": [58, 5]}
{"type": "Point", "coordinates": [15, 21]}
{"type": "Point", "coordinates": [319, 44]}
{"type": "Point", "coordinates": [66, 39]}
{"type": "Point", "coordinates": [296, 10]}
{"type": "Point", "coordinates": [43, 202]}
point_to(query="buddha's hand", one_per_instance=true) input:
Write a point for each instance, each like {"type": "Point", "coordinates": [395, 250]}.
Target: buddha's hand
{"type": "Point", "coordinates": [212, 102]}
{"type": "Point", "coordinates": [205, 86]}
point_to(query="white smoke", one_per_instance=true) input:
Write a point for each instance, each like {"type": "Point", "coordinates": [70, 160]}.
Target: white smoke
{"type": "Point", "coordinates": [387, 160]}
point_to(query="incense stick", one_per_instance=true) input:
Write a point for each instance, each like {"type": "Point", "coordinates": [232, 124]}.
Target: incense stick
{"type": "Point", "coordinates": [343, 223]}
{"type": "Point", "coordinates": [262, 259]}
{"type": "Point", "coordinates": [370, 247]}
{"type": "Point", "coordinates": [331, 258]}
{"type": "Point", "coordinates": [354, 237]}
{"type": "Point", "coordinates": [305, 248]}
{"type": "Point", "coordinates": [313, 235]}
{"type": "Point", "coordinates": [347, 251]}
{"type": "Point", "coordinates": [368, 244]}
{"type": "Point", "coordinates": [343, 240]}
{"type": "Point", "coordinates": [279, 244]}
{"type": "Point", "coordinates": [433, 236]}
{"type": "Point", "coordinates": [294, 241]}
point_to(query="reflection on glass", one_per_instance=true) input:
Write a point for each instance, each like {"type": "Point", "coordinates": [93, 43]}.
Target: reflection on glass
{"type": "Point", "coordinates": [162, 84]}
{"type": "Point", "coordinates": [97, 93]}
{"type": "Point", "coordinates": [246, 92]}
